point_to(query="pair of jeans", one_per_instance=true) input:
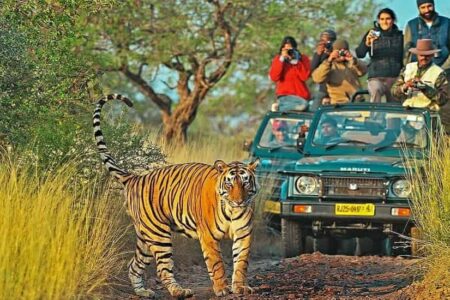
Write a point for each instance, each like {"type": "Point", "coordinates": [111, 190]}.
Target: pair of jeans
{"type": "Point", "coordinates": [291, 102]}
{"type": "Point", "coordinates": [379, 87]}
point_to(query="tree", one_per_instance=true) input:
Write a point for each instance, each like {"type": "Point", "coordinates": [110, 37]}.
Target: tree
{"type": "Point", "coordinates": [190, 45]}
{"type": "Point", "coordinates": [194, 41]}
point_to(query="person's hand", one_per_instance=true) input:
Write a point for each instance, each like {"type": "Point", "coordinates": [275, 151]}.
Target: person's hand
{"type": "Point", "coordinates": [348, 55]}
{"type": "Point", "coordinates": [333, 55]}
{"type": "Point", "coordinates": [408, 85]}
{"type": "Point", "coordinates": [321, 47]}
{"type": "Point", "coordinates": [370, 38]}
{"type": "Point", "coordinates": [326, 101]}
{"type": "Point", "coordinates": [284, 52]}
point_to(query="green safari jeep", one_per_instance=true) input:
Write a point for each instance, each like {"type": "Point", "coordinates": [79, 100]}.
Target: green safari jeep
{"type": "Point", "coordinates": [349, 193]}
{"type": "Point", "coordinates": [275, 143]}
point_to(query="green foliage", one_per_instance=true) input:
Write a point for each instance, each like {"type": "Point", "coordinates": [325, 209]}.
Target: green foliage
{"type": "Point", "coordinates": [55, 58]}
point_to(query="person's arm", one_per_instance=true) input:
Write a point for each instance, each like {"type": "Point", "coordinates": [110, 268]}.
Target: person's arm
{"type": "Point", "coordinates": [315, 62]}
{"type": "Point", "coordinates": [362, 49]}
{"type": "Point", "coordinates": [303, 68]}
{"type": "Point", "coordinates": [276, 69]}
{"type": "Point", "coordinates": [357, 66]}
{"type": "Point", "coordinates": [320, 74]}
{"type": "Point", "coordinates": [407, 44]}
{"type": "Point", "coordinates": [397, 88]}
{"type": "Point", "coordinates": [446, 64]}
{"type": "Point", "coordinates": [440, 93]}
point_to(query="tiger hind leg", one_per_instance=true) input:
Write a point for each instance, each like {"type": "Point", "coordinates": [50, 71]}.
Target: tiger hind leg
{"type": "Point", "coordinates": [136, 269]}
{"type": "Point", "coordinates": [162, 251]}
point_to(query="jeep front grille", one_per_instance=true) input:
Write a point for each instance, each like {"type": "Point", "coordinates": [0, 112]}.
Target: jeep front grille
{"type": "Point", "coordinates": [363, 188]}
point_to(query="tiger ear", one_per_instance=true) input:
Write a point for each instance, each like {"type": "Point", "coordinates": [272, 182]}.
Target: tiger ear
{"type": "Point", "coordinates": [252, 166]}
{"type": "Point", "coordinates": [220, 165]}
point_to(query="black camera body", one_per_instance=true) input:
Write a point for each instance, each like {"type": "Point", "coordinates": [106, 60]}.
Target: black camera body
{"type": "Point", "coordinates": [417, 84]}
{"type": "Point", "coordinates": [291, 52]}
{"type": "Point", "coordinates": [328, 45]}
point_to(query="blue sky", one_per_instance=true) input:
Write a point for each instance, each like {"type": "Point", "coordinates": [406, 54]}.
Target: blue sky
{"type": "Point", "coordinates": [407, 9]}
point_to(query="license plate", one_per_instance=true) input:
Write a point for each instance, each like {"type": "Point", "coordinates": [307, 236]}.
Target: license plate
{"type": "Point", "coordinates": [273, 207]}
{"type": "Point", "coordinates": [349, 209]}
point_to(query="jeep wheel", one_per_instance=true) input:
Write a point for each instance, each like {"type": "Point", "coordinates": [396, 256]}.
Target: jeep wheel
{"type": "Point", "coordinates": [291, 235]}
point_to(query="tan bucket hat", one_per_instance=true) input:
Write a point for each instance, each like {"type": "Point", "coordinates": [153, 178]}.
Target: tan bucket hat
{"type": "Point", "coordinates": [424, 47]}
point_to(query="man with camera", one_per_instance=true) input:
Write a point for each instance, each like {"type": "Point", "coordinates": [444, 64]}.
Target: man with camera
{"type": "Point", "coordinates": [289, 70]}
{"type": "Point", "coordinates": [340, 73]}
{"type": "Point", "coordinates": [323, 50]}
{"type": "Point", "coordinates": [422, 83]}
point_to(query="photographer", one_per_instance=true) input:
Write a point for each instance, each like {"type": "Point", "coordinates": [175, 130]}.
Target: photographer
{"type": "Point", "coordinates": [340, 72]}
{"type": "Point", "coordinates": [289, 70]}
{"type": "Point", "coordinates": [422, 83]}
{"type": "Point", "coordinates": [323, 50]}
{"type": "Point", "coordinates": [384, 43]}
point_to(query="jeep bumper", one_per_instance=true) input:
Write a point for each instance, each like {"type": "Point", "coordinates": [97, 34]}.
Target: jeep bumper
{"type": "Point", "coordinates": [329, 211]}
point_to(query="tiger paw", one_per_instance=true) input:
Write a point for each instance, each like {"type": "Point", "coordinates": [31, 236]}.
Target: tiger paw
{"type": "Point", "coordinates": [222, 292]}
{"type": "Point", "coordinates": [242, 289]}
{"type": "Point", "coordinates": [180, 293]}
{"type": "Point", "coordinates": [142, 292]}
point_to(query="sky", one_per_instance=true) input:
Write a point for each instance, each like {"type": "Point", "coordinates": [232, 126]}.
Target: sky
{"type": "Point", "coordinates": [407, 9]}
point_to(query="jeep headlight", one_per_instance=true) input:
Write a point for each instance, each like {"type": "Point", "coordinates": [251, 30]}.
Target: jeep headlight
{"type": "Point", "coordinates": [307, 185]}
{"type": "Point", "coordinates": [401, 188]}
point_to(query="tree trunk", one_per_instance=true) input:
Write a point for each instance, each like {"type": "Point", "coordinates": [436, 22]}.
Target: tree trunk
{"type": "Point", "coordinates": [176, 125]}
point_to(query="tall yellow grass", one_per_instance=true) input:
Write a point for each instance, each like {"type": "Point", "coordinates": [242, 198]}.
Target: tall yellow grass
{"type": "Point", "coordinates": [431, 209]}
{"type": "Point", "coordinates": [56, 241]}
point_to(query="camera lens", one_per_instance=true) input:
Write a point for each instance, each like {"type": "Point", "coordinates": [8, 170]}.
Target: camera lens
{"type": "Point", "coordinates": [291, 52]}
{"type": "Point", "coordinates": [341, 52]}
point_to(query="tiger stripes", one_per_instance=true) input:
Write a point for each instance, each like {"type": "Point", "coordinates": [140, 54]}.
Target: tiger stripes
{"type": "Point", "coordinates": [201, 201]}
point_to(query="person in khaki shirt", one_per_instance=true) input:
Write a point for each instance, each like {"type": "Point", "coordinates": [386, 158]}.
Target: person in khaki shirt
{"type": "Point", "coordinates": [340, 72]}
{"type": "Point", "coordinates": [422, 83]}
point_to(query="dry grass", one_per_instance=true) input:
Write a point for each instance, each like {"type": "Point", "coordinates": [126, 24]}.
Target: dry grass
{"type": "Point", "coordinates": [205, 149]}
{"type": "Point", "coordinates": [56, 241]}
{"type": "Point", "coordinates": [431, 208]}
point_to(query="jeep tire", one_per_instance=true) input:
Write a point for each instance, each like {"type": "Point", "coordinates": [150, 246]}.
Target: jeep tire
{"type": "Point", "coordinates": [291, 236]}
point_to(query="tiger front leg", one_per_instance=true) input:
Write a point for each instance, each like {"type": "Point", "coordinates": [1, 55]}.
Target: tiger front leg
{"type": "Point", "coordinates": [214, 263]}
{"type": "Point", "coordinates": [241, 254]}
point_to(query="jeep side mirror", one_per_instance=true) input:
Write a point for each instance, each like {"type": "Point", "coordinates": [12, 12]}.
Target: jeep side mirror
{"type": "Point", "coordinates": [247, 145]}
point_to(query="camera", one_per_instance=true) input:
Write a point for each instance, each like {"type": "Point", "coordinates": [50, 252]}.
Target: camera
{"type": "Point", "coordinates": [341, 52]}
{"type": "Point", "coordinates": [328, 45]}
{"type": "Point", "coordinates": [376, 33]}
{"type": "Point", "coordinates": [291, 52]}
{"type": "Point", "coordinates": [419, 85]}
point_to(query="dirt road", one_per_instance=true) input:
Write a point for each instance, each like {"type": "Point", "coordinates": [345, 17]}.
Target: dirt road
{"type": "Point", "coordinates": [309, 276]}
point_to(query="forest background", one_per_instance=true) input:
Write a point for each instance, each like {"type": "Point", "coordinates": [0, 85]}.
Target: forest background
{"type": "Point", "coordinates": [197, 74]}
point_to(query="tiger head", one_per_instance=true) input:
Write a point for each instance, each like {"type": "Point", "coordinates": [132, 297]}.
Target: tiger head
{"type": "Point", "coordinates": [237, 183]}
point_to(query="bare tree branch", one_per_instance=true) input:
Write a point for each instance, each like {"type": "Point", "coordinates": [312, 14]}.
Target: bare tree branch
{"type": "Point", "coordinates": [163, 104]}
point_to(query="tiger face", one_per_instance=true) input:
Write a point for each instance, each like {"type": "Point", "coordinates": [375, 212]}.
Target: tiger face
{"type": "Point", "coordinates": [237, 183]}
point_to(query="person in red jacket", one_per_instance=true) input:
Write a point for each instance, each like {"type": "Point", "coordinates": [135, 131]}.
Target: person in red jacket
{"type": "Point", "coordinates": [289, 70]}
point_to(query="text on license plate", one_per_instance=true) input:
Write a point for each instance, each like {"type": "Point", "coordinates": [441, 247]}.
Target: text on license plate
{"type": "Point", "coordinates": [350, 209]}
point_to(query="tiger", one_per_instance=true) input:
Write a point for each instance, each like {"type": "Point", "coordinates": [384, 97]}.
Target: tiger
{"type": "Point", "coordinates": [200, 201]}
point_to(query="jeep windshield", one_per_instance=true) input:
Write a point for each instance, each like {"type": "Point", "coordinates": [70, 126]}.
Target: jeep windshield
{"type": "Point", "coordinates": [282, 133]}
{"type": "Point", "coordinates": [376, 130]}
